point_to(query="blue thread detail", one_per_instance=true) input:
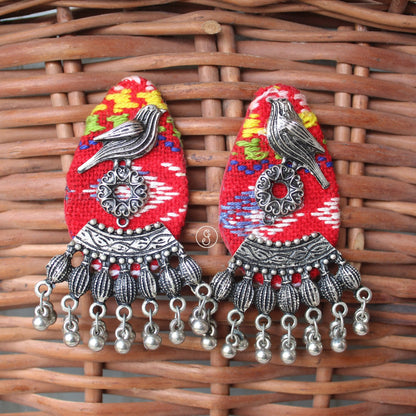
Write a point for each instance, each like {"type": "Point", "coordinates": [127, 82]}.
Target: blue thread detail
{"type": "Point", "coordinates": [235, 216]}
{"type": "Point", "coordinates": [249, 172]}
{"type": "Point", "coordinates": [242, 167]}
{"type": "Point", "coordinates": [257, 167]}
{"type": "Point", "coordinates": [245, 197]}
{"type": "Point", "coordinates": [329, 164]}
{"type": "Point", "coordinates": [264, 161]}
{"type": "Point", "coordinates": [233, 162]}
{"type": "Point", "coordinates": [68, 192]}
{"type": "Point", "coordinates": [169, 144]}
{"type": "Point", "coordinates": [175, 149]}
{"type": "Point", "coordinates": [84, 146]}
{"type": "Point", "coordinates": [91, 142]}
{"type": "Point", "coordinates": [160, 137]}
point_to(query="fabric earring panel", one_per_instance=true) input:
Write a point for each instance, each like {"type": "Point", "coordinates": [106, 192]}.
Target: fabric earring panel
{"type": "Point", "coordinates": [125, 205]}
{"type": "Point", "coordinates": [280, 218]}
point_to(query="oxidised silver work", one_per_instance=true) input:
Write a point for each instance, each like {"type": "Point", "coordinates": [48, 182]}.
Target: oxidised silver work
{"type": "Point", "coordinates": [259, 256]}
{"type": "Point", "coordinates": [271, 205]}
{"type": "Point", "coordinates": [297, 147]}
{"type": "Point", "coordinates": [123, 248]}
{"type": "Point", "coordinates": [122, 208]}
{"type": "Point", "coordinates": [128, 141]}
{"type": "Point", "coordinates": [291, 140]}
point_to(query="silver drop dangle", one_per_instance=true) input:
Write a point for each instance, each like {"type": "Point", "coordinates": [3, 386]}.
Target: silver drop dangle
{"type": "Point", "coordinates": [312, 337]}
{"type": "Point", "coordinates": [150, 334]}
{"type": "Point", "coordinates": [45, 315]}
{"type": "Point", "coordinates": [176, 326]}
{"type": "Point", "coordinates": [337, 330]}
{"type": "Point", "coordinates": [209, 340]}
{"type": "Point", "coordinates": [361, 315]}
{"type": "Point", "coordinates": [263, 342]}
{"type": "Point", "coordinates": [125, 335]}
{"type": "Point", "coordinates": [235, 339]}
{"type": "Point", "coordinates": [71, 335]}
{"type": "Point", "coordinates": [200, 317]}
{"type": "Point", "coordinates": [98, 331]}
{"type": "Point", "coordinates": [288, 341]}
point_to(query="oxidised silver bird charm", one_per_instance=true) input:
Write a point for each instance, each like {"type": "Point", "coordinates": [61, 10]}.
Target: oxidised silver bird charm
{"type": "Point", "coordinates": [129, 141]}
{"type": "Point", "coordinates": [291, 140]}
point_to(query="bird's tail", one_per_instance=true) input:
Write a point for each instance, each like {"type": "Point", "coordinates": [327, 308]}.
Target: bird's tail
{"type": "Point", "coordinates": [87, 165]}
{"type": "Point", "coordinates": [315, 170]}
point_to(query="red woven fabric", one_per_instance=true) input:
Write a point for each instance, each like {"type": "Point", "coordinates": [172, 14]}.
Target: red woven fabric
{"type": "Point", "coordinates": [252, 155]}
{"type": "Point", "coordinates": [163, 168]}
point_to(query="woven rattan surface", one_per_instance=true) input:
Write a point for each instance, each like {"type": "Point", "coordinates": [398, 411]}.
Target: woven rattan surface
{"type": "Point", "coordinates": [356, 64]}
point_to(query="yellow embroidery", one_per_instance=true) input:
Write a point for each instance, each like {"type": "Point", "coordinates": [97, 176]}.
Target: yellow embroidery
{"type": "Point", "coordinates": [122, 100]}
{"type": "Point", "coordinates": [308, 118]}
{"type": "Point", "coordinates": [98, 108]}
{"type": "Point", "coordinates": [153, 97]}
{"type": "Point", "coordinates": [251, 126]}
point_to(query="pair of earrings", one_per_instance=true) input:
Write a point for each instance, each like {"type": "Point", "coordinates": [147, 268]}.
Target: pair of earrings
{"type": "Point", "coordinates": [126, 202]}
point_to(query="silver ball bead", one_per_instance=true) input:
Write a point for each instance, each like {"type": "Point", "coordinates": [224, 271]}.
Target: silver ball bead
{"type": "Point", "coordinates": [338, 344]}
{"type": "Point", "coordinates": [208, 343]}
{"type": "Point", "coordinates": [96, 343]}
{"type": "Point", "coordinates": [199, 326]}
{"type": "Point", "coordinates": [314, 348]}
{"type": "Point", "coordinates": [288, 356]}
{"type": "Point", "coordinates": [228, 351]}
{"type": "Point", "coordinates": [243, 344]}
{"type": "Point", "coordinates": [71, 339]}
{"type": "Point", "coordinates": [132, 336]}
{"type": "Point", "coordinates": [177, 337]}
{"type": "Point", "coordinates": [122, 346]}
{"type": "Point", "coordinates": [263, 356]}
{"type": "Point", "coordinates": [52, 318]}
{"type": "Point", "coordinates": [40, 323]}
{"type": "Point", "coordinates": [152, 341]}
{"type": "Point", "coordinates": [360, 328]}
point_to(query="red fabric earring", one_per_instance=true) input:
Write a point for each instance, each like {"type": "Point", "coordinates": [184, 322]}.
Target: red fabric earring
{"type": "Point", "coordinates": [125, 205]}
{"type": "Point", "coordinates": [279, 217]}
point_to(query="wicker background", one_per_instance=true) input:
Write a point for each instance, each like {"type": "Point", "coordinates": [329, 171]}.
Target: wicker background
{"type": "Point", "coordinates": [356, 63]}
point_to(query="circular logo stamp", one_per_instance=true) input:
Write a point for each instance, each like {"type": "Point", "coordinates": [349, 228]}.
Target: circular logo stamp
{"type": "Point", "coordinates": [206, 236]}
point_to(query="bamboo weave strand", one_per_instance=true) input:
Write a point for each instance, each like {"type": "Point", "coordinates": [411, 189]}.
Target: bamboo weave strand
{"type": "Point", "coordinates": [208, 57]}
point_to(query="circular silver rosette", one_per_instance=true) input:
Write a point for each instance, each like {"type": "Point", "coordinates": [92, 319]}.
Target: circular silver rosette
{"type": "Point", "coordinates": [149, 261]}
{"type": "Point", "coordinates": [312, 254]}
{"type": "Point", "coordinates": [135, 188]}
{"type": "Point", "coordinates": [271, 205]}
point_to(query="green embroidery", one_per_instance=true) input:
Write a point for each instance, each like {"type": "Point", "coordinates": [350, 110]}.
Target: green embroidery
{"type": "Point", "coordinates": [92, 125]}
{"type": "Point", "coordinates": [117, 120]}
{"type": "Point", "coordinates": [175, 132]}
{"type": "Point", "coordinates": [162, 129]}
{"type": "Point", "coordinates": [252, 149]}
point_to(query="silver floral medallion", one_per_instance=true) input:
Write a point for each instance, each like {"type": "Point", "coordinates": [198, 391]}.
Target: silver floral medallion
{"type": "Point", "coordinates": [136, 190]}
{"type": "Point", "coordinates": [272, 206]}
